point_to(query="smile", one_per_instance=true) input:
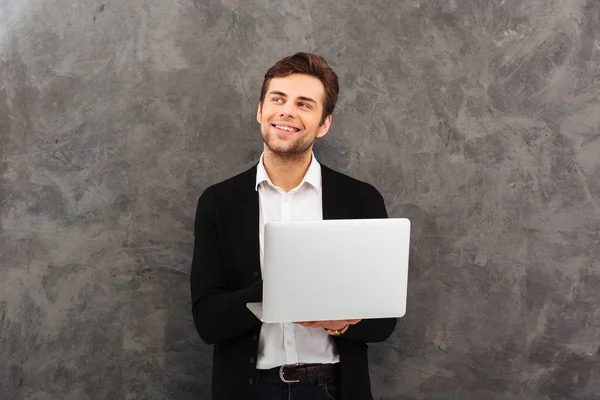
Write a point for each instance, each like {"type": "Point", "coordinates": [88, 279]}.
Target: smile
{"type": "Point", "coordinates": [285, 129]}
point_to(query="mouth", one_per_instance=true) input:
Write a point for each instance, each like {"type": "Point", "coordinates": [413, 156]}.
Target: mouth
{"type": "Point", "coordinates": [285, 129]}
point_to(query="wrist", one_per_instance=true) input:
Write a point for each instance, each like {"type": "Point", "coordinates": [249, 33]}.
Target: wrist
{"type": "Point", "coordinates": [337, 332]}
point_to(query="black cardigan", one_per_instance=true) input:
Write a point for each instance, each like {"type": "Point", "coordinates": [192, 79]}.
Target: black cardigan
{"type": "Point", "coordinates": [226, 275]}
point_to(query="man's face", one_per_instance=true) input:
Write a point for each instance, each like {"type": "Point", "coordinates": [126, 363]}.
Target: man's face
{"type": "Point", "coordinates": [290, 115]}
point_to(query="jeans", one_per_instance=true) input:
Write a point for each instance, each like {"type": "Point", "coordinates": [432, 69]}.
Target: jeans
{"type": "Point", "coordinates": [272, 388]}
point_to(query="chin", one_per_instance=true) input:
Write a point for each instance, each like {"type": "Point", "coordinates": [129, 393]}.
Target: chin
{"type": "Point", "coordinates": [288, 152]}
{"type": "Point", "coordinates": [284, 148]}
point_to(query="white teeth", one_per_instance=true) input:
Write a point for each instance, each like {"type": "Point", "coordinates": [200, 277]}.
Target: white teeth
{"type": "Point", "coordinates": [285, 128]}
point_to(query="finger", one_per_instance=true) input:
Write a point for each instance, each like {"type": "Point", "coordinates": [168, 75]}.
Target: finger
{"type": "Point", "coordinates": [311, 324]}
{"type": "Point", "coordinates": [353, 321]}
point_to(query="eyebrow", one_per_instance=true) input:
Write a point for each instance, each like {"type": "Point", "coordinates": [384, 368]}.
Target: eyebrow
{"type": "Point", "coordinates": [303, 98]}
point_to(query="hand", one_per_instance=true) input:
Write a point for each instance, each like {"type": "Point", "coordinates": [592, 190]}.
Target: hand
{"type": "Point", "coordinates": [329, 324]}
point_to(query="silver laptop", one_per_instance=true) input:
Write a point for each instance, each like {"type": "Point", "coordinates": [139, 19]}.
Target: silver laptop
{"type": "Point", "coordinates": [334, 269]}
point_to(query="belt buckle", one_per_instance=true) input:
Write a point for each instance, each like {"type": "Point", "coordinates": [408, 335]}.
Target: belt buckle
{"type": "Point", "coordinates": [281, 373]}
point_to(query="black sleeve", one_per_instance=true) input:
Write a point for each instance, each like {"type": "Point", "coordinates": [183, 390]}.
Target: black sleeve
{"type": "Point", "coordinates": [372, 330]}
{"type": "Point", "coordinates": [218, 312]}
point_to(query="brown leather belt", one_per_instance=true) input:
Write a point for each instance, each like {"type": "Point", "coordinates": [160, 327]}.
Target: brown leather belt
{"type": "Point", "coordinates": [302, 373]}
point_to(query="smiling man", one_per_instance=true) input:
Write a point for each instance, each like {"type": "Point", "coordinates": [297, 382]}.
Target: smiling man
{"type": "Point", "coordinates": [308, 359]}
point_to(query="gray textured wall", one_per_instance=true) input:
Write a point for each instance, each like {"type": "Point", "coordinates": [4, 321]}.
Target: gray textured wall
{"type": "Point", "coordinates": [477, 119]}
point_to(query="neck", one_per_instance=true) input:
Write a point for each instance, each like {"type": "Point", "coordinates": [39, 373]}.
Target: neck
{"type": "Point", "coordinates": [288, 172]}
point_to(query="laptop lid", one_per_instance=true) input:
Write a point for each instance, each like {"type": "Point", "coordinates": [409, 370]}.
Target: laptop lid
{"type": "Point", "coordinates": [335, 269]}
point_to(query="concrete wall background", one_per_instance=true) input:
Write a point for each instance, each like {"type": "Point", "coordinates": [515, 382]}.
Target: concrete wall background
{"type": "Point", "coordinates": [477, 119]}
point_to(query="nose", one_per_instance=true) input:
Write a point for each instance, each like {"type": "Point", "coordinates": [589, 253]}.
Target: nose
{"type": "Point", "coordinates": [288, 109]}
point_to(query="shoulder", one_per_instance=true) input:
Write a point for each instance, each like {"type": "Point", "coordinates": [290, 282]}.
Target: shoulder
{"type": "Point", "coordinates": [360, 196]}
{"type": "Point", "coordinates": [347, 183]}
{"type": "Point", "coordinates": [243, 182]}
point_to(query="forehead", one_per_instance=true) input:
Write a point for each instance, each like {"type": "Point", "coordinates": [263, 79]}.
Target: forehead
{"type": "Point", "coordinates": [298, 85]}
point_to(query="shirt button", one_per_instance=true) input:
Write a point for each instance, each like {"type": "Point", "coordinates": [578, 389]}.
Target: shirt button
{"type": "Point", "coordinates": [254, 336]}
{"type": "Point", "coordinates": [250, 381]}
{"type": "Point", "coordinates": [255, 274]}
{"type": "Point", "coordinates": [289, 342]}
{"type": "Point", "coordinates": [252, 360]}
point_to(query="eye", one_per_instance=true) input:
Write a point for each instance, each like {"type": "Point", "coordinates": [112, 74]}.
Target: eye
{"type": "Point", "coordinates": [304, 104]}
{"type": "Point", "coordinates": [276, 98]}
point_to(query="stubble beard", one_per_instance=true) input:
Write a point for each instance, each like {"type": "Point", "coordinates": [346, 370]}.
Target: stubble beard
{"type": "Point", "coordinates": [290, 151]}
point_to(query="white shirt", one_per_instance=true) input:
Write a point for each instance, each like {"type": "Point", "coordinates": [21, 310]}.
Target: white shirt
{"type": "Point", "coordinates": [287, 343]}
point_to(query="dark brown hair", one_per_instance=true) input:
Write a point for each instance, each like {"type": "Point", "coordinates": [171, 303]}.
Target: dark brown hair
{"type": "Point", "coordinates": [309, 64]}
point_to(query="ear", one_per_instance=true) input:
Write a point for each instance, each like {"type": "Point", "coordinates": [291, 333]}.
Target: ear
{"type": "Point", "coordinates": [259, 112]}
{"type": "Point", "coordinates": [325, 127]}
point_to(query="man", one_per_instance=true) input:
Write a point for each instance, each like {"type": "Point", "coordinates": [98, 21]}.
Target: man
{"type": "Point", "coordinates": [304, 360]}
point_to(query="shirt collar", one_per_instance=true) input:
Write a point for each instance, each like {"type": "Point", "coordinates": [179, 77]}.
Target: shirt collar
{"type": "Point", "coordinates": [312, 176]}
